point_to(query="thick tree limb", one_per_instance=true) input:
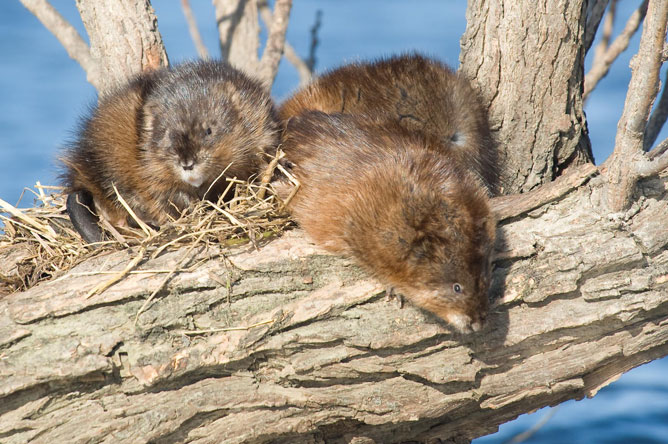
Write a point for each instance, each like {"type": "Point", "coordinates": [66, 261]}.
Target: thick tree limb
{"type": "Point", "coordinates": [124, 38]}
{"type": "Point", "coordinates": [607, 55]}
{"type": "Point", "coordinates": [75, 46]}
{"type": "Point", "coordinates": [239, 30]}
{"type": "Point", "coordinates": [194, 29]}
{"type": "Point", "coordinates": [319, 355]}
{"type": "Point", "coordinates": [628, 156]}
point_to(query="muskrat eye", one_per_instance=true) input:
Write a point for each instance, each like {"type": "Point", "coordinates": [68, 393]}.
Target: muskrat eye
{"type": "Point", "coordinates": [208, 131]}
{"type": "Point", "coordinates": [457, 288]}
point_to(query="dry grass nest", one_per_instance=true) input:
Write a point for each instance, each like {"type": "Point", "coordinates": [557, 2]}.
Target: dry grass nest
{"type": "Point", "coordinates": [40, 243]}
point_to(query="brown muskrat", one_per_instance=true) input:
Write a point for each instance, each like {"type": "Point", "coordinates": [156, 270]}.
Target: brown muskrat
{"type": "Point", "coordinates": [163, 139]}
{"type": "Point", "coordinates": [401, 207]}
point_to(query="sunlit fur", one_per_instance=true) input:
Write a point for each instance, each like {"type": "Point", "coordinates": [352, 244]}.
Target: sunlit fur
{"type": "Point", "coordinates": [165, 137]}
{"type": "Point", "coordinates": [402, 208]}
{"type": "Point", "coordinates": [420, 93]}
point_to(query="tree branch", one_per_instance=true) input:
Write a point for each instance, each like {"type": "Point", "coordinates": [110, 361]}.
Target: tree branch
{"type": "Point", "coordinates": [604, 60]}
{"type": "Point", "coordinates": [628, 158]}
{"type": "Point", "coordinates": [606, 34]}
{"type": "Point", "coordinates": [656, 163]}
{"type": "Point", "coordinates": [305, 73]}
{"type": "Point", "coordinates": [514, 205]}
{"type": "Point", "coordinates": [75, 46]}
{"type": "Point", "coordinates": [194, 29]}
{"type": "Point", "coordinates": [657, 119]}
{"type": "Point", "coordinates": [595, 11]}
{"type": "Point", "coordinates": [314, 40]}
{"type": "Point", "coordinates": [273, 51]}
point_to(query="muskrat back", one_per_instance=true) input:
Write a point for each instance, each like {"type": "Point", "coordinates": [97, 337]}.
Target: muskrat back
{"type": "Point", "coordinates": [418, 92]}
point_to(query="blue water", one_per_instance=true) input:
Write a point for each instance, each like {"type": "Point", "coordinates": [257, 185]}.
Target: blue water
{"type": "Point", "coordinates": [42, 92]}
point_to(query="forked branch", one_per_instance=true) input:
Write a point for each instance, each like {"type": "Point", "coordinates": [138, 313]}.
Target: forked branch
{"type": "Point", "coordinates": [605, 56]}
{"type": "Point", "coordinates": [304, 71]}
{"type": "Point", "coordinates": [238, 29]}
{"type": "Point", "coordinates": [628, 162]}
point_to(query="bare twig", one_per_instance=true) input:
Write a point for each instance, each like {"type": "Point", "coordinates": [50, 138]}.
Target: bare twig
{"type": "Point", "coordinates": [536, 427]}
{"type": "Point", "coordinates": [595, 10]}
{"type": "Point", "coordinates": [290, 54]}
{"type": "Point", "coordinates": [657, 119]}
{"type": "Point", "coordinates": [628, 161]}
{"type": "Point", "coordinates": [658, 150]}
{"type": "Point", "coordinates": [120, 275]}
{"type": "Point", "coordinates": [145, 228]}
{"type": "Point", "coordinates": [656, 163]}
{"type": "Point", "coordinates": [314, 40]}
{"type": "Point", "coordinates": [194, 29]}
{"type": "Point", "coordinates": [75, 46]}
{"type": "Point", "coordinates": [606, 33]}
{"type": "Point", "coordinates": [224, 329]}
{"type": "Point", "coordinates": [275, 42]}
{"type": "Point", "coordinates": [601, 65]}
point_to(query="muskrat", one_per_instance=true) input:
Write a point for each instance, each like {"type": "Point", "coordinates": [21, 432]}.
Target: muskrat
{"type": "Point", "coordinates": [402, 208]}
{"type": "Point", "coordinates": [418, 92]}
{"type": "Point", "coordinates": [163, 139]}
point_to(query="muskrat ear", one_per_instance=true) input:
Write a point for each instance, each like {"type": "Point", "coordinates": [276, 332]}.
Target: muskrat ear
{"type": "Point", "coordinates": [227, 91]}
{"type": "Point", "coordinates": [149, 112]}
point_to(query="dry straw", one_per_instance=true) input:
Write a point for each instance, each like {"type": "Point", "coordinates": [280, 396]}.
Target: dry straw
{"type": "Point", "coordinates": [39, 243]}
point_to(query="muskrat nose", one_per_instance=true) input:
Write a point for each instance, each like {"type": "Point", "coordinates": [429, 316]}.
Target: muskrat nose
{"type": "Point", "coordinates": [187, 164]}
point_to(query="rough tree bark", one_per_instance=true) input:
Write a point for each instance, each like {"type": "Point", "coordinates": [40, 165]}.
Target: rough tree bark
{"type": "Point", "coordinates": [579, 299]}
{"type": "Point", "coordinates": [124, 38]}
{"type": "Point", "coordinates": [527, 59]}
{"type": "Point", "coordinates": [313, 352]}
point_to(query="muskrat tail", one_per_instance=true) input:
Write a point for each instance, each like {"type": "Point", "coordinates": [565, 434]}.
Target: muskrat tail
{"type": "Point", "coordinates": [80, 209]}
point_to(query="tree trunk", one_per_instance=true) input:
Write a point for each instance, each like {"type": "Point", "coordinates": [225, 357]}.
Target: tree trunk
{"type": "Point", "coordinates": [579, 299]}
{"type": "Point", "coordinates": [239, 33]}
{"type": "Point", "coordinates": [527, 59]}
{"type": "Point", "coordinates": [124, 38]}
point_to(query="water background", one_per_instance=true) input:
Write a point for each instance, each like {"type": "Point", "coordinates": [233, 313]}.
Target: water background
{"type": "Point", "coordinates": [43, 92]}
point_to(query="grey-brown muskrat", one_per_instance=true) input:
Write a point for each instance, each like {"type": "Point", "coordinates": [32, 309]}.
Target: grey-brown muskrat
{"type": "Point", "coordinates": [163, 140]}
{"type": "Point", "coordinates": [402, 208]}
{"type": "Point", "coordinates": [418, 92]}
